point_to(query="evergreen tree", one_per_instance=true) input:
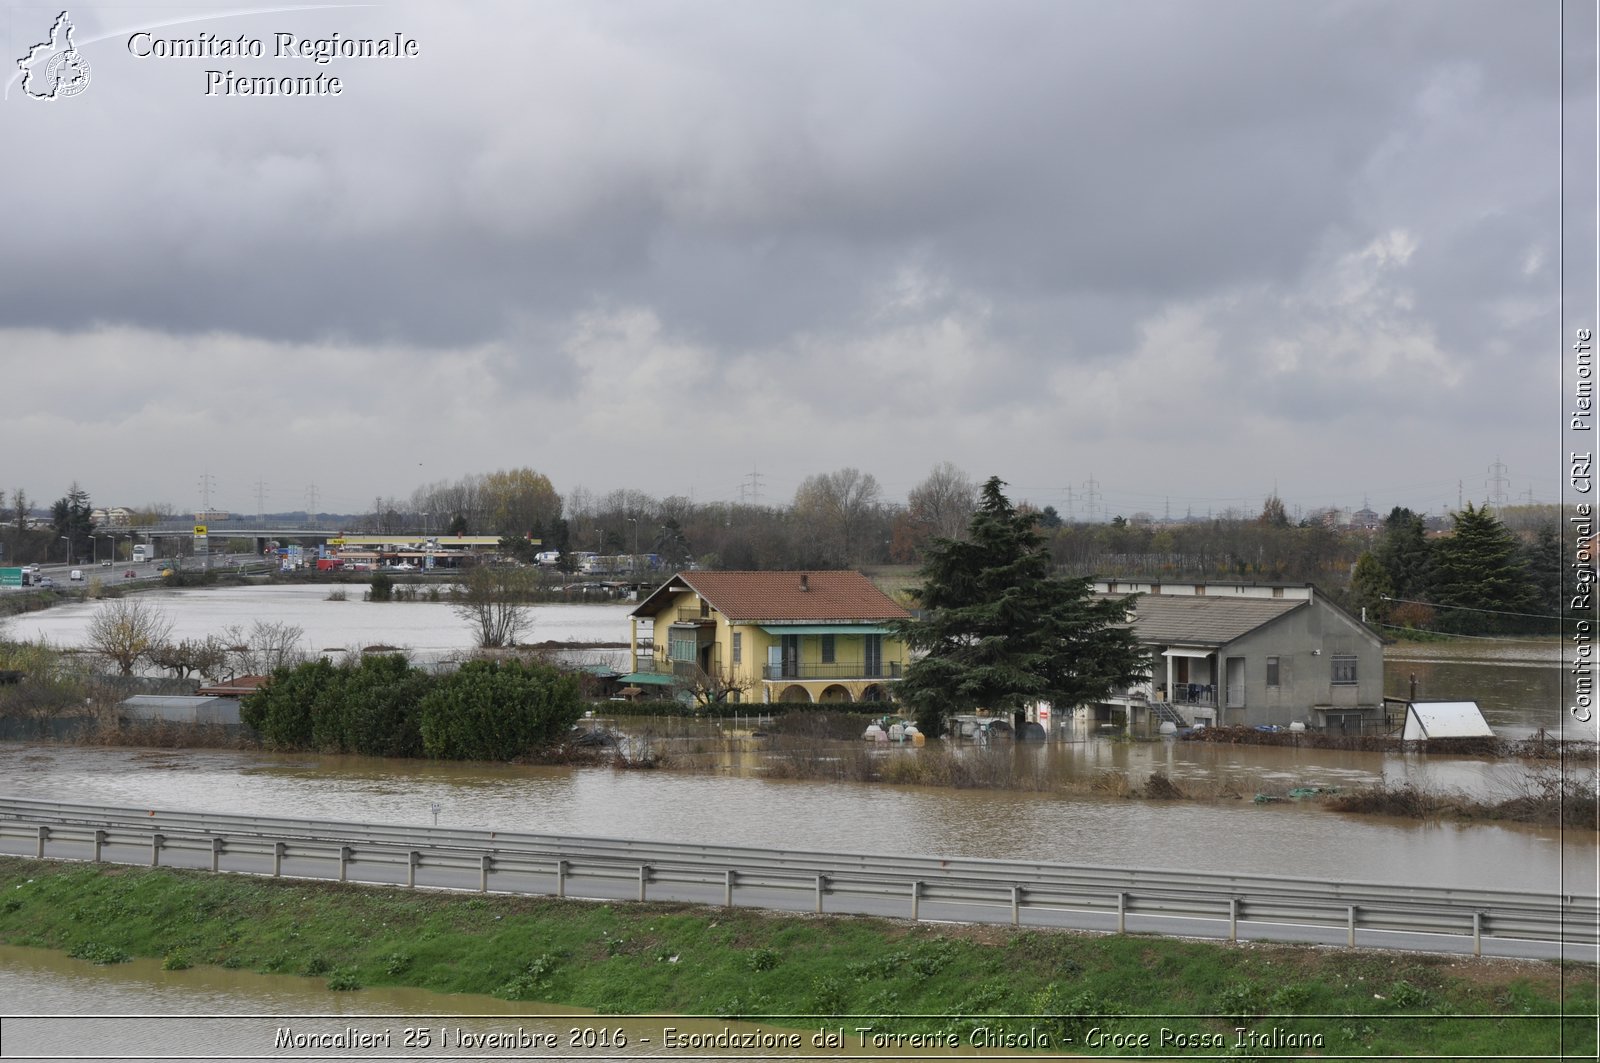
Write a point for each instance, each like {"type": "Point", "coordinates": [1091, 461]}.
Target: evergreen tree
{"type": "Point", "coordinates": [71, 517]}
{"type": "Point", "coordinates": [1370, 588]}
{"type": "Point", "coordinates": [1405, 555]}
{"type": "Point", "coordinates": [1000, 629]}
{"type": "Point", "coordinates": [1479, 572]}
{"type": "Point", "coordinates": [1542, 561]}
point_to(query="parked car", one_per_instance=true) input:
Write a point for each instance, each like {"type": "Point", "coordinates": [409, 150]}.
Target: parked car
{"type": "Point", "coordinates": [77, 574]}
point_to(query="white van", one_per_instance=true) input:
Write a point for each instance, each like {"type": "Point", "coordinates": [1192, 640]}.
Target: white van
{"type": "Point", "coordinates": [77, 574]}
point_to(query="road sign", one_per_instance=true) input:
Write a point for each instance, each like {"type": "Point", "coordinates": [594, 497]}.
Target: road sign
{"type": "Point", "coordinates": [10, 577]}
{"type": "Point", "coordinates": [199, 529]}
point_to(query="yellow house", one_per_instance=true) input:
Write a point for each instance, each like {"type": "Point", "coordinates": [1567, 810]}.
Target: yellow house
{"type": "Point", "coordinates": [771, 636]}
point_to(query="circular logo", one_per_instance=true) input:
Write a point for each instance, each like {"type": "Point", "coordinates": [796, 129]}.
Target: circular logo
{"type": "Point", "coordinates": [67, 73]}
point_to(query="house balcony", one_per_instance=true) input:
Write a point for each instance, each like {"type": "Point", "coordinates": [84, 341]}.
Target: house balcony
{"type": "Point", "coordinates": [1194, 694]}
{"type": "Point", "coordinates": [662, 666]}
{"type": "Point", "coordinates": [693, 616]}
{"type": "Point", "coordinates": [884, 670]}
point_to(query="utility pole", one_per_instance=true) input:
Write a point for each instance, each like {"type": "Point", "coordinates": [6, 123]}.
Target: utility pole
{"type": "Point", "coordinates": [1091, 488]}
{"type": "Point", "coordinates": [208, 484]}
{"type": "Point", "coordinates": [755, 486]}
{"type": "Point", "coordinates": [1072, 517]}
{"type": "Point", "coordinates": [1496, 483]}
{"type": "Point", "coordinates": [261, 503]}
{"type": "Point", "coordinates": [311, 503]}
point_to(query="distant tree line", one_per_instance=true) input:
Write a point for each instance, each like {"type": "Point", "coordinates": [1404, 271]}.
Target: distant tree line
{"type": "Point", "coordinates": [1479, 579]}
{"type": "Point", "coordinates": [1401, 573]}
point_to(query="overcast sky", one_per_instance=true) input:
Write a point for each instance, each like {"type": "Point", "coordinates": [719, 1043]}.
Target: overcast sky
{"type": "Point", "coordinates": [1189, 250]}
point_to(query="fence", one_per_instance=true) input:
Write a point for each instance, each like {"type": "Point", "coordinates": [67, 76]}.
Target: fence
{"type": "Point", "coordinates": [915, 887]}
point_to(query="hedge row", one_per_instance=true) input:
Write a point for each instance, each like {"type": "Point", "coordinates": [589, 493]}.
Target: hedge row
{"type": "Point", "coordinates": [384, 707]}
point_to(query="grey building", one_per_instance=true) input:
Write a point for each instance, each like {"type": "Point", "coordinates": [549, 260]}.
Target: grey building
{"type": "Point", "coordinates": [180, 708]}
{"type": "Point", "coordinates": [1249, 654]}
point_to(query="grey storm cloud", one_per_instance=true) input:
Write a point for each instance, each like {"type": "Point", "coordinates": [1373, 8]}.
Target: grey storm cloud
{"type": "Point", "coordinates": [780, 186]}
{"type": "Point", "coordinates": [794, 155]}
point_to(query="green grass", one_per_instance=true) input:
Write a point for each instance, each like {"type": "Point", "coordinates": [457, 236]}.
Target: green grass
{"type": "Point", "coordinates": [675, 959]}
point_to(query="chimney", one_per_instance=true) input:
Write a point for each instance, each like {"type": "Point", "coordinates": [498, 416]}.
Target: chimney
{"type": "Point", "coordinates": [805, 582]}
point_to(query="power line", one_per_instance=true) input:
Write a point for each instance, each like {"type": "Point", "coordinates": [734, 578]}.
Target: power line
{"type": "Point", "coordinates": [1470, 609]}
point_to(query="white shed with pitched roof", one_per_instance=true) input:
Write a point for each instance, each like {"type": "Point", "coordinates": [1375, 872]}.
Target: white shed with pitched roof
{"type": "Point", "coordinates": [1444, 719]}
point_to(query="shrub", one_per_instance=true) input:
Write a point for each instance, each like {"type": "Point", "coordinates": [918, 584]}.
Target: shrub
{"type": "Point", "coordinates": [98, 953]}
{"type": "Point", "coordinates": [492, 710]}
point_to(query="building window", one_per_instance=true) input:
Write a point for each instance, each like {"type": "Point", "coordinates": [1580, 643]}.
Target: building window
{"type": "Point", "coordinates": [738, 648]}
{"type": "Point", "coordinates": [827, 649]}
{"type": "Point", "coordinates": [1277, 592]}
{"type": "Point", "coordinates": [1272, 671]}
{"type": "Point", "coordinates": [681, 649]}
{"type": "Point", "coordinates": [1344, 670]}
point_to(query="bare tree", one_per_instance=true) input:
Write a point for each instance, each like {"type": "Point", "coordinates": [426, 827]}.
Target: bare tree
{"type": "Point", "coordinates": [943, 504]}
{"type": "Point", "coordinates": [711, 688]}
{"type": "Point", "coordinates": [838, 508]}
{"type": "Point", "coordinates": [492, 600]}
{"type": "Point", "coordinates": [207, 657]}
{"type": "Point", "coordinates": [126, 631]}
{"type": "Point", "coordinates": [266, 647]}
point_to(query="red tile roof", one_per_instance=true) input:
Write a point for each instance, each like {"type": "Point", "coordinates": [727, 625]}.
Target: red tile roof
{"type": "Point", "coordinates": [781, 596]}
{"type": "Point", "coordinates": [244, 684]}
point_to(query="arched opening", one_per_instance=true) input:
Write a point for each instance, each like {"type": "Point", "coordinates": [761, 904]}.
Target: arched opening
{"type": "Point", "coordinates": [835, 694]}
{"type": "Point", "coordinates": [874, 692]}
{"type": "Point", "coordinates": [795, 694]}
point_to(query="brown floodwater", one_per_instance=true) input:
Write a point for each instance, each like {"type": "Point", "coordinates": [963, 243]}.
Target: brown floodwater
{"type": "Point", "coordinates": [1519, 688]}
{"type": "Point", "coordinates": [62, 1008]}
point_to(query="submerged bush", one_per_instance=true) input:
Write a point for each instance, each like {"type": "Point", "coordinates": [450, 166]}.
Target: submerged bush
{"type": "Point", "coordinates": [494, 710]}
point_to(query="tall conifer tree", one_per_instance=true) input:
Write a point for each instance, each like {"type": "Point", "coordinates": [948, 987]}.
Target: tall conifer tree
{"type": "Point", "coordinates": [1000, 629]}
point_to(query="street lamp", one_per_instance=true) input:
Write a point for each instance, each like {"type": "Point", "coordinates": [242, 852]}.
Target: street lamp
{"type": "Point", "coordinates": [68, 552]}
{"type": "Point", "coordinates": [634, 560]}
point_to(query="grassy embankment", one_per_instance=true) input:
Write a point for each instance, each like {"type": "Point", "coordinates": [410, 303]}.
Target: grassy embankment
{"type": "Point", "coordinates": [676, 959]}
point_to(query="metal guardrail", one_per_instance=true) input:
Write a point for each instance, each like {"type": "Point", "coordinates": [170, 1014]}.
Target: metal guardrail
{"type": "Point", "coordinates": [985, 890]}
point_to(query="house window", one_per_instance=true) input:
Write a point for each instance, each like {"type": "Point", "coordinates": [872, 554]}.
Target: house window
{"type": "Point", "coordinates": [1344, 670]}
{"type": "Point", "coordinates": [827, 649]}
{"type": "Point", "coordinates": [681, 649]}
{"type": "Point", "coordinates": [1272, 671]}
{"type": "Point", "coordinates": [1234, 679]}
{"type": "Point", "coordinates": [738, 648]}
{"type": "Point", "coordinates": [872, 655]}
{"type": "Point", "coordinates": [1277, 592]}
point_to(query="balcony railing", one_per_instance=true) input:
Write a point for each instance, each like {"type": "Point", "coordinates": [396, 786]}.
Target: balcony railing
{"type": "Point", "coordinates": [662, 666]}
{"type": "Point", "coordinates": [693, 616]}
{"type": "Point", "coordinates": [884, 670]}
